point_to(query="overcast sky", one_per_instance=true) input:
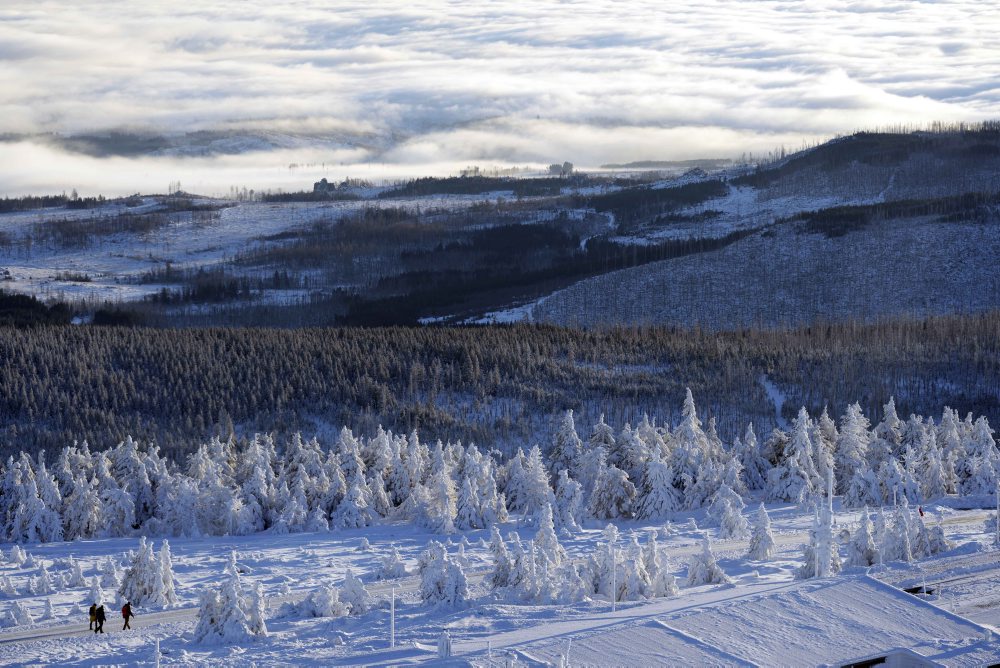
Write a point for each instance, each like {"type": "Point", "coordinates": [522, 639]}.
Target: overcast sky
{"type": "Point", "coordinates": [398, 88]}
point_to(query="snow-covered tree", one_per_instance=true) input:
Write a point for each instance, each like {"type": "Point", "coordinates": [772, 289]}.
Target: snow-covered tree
{"type": "Point", "coordinates": [613, 496]}
{"type": "Point", "coordinates": [76, 578]}
{"type": "Point", "coordinates": [96, 594]}
{"type": "Point", "coordinates": [755, 466]}
{"type": "Point", "coordinates": [167, 593]}
{"type": "Point", "coordinates": [503, 564]}
{"type": "Point", "coordinates": [795, 478]}
{"type": "Point", "coordinates": [658, 497]}
{"type": "Point", "coordinates": [566, 445]}
{"type": "Point", "coordinates": [861, 550]}
{"type": "Point", "coordinates": [18, 615]}
{"type": "Point", "coordinates": [143, 584]}
{"type": "Point", "coordinates": [761, 538]}
{"type": "Point", "coordinates": [324, 601]}
{"type": "Point", "coordinates": [442, 581]}
{"type": "Point", "coordinates": [354, 511]}
{"type": "Point", "coordinates": [546, 540]}
{"type": "Point", "coordinates": [727, 509]}
{"type": "Point", "coordinates": [568, 508]}
{"type": "Point", "coordinates": [703, 568]}
{"type": "Point", "coordinates": [392, 565]}
{"type": "Point", "coordinates": [354, 594]}
{"type": "Point", "coordinates": [467, 513]}
{"type": "Point", "coordinates": [852, 446]}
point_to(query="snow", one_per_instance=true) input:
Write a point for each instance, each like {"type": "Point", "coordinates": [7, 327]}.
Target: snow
{"type": "Point", "coordinates": [777, 398]}
{"type": "Point", "coordinates": [769, 617]}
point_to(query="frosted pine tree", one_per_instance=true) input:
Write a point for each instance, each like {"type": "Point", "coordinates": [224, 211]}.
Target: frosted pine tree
{"type": "Point", "coordinates": [568, 509]}
{"type": "Point", "coordinates": [168, 587]}
{"type": "Point", "coordinates": [96, 595]}
{"type": "Point", "coordinates": [566, 445]}
{"type": "Point", "coordinates": [594, 457]}
{"type": "Point", "coordinates": [932, 481]}
{"type": "Point", "coordinates": [898, 545]}
{"type": "Point", "coordinates": [861, 550]}
{"type": "Point", "coordinates": [143, 582]}
{"type": "Point", "coordinates": [536, 489]}
{"type": "Point", "coordinates": [442, 582]}
{"type": "Point", "coordinates": [727, 509]}
{"type": "Point", "coordinates": [256, 608]}
{"type": "Point", "coordinates": [761, 537]}
{"type": "Point", "coordinates": [755, 467]}
{"type": "Point", "coordinates": [614, 495]}
{"type": "Point", "coordinates": [637, 581]}
{"type": "Point", "coordinates": [111, 574]}
{"type": "Point", "coordinates": [354, 594]}
{"type": "Point", "coordinates": [76, 578]}
{"type": "Point", "coordinates": [863, 489]}
{"type": "Point", "coordinates": [503, 564]}
{"type": "Point", "coordinates": [546, 540]}
{"type": "Point", "coordinates": [794, 479]}
{"type": "Point", "coordinates": [852, 446]}
{"type": "Point", "coordinates": [703, 568]}
{"type": "Point", "coordinates": [392, 565]}
{"type": "Point", "coordinates": [658, 498]}
{"type": "Point", "coordinates": [353, 512]}
{"type": "Point", "coordinates": [19, 615]}
{"type": "Point", "coordinates": [467, 513]}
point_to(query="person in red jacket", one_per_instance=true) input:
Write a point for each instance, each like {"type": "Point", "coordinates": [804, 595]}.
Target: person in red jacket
{"type": "Point", "coordinates": [127, 614]}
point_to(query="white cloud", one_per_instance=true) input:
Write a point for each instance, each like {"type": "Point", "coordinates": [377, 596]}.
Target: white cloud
{"type": "Point", "coordinates": [446, 83]}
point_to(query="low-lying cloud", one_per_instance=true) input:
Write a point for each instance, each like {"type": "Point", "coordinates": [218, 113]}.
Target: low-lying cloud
{"type": "Point", "coordinates": [436, 85]}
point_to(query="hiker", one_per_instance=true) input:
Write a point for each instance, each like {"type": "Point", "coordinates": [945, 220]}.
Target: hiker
{"type": "Point", "coordinates": [127, 614]}
{"type": "Point", "coordinates": [93, 615]}
{"type": "Point", "coordinates": [921, 510]}
{"type": "Point", "coordinates": [100, 620]}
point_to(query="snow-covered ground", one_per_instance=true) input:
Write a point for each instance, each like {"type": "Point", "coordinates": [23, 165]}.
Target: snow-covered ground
{"type": "Point", "coordinates": [697, 624]}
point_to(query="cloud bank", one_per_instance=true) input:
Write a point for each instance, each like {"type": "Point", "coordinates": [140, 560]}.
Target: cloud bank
{"type": "Point", "coordinates": [435, 85]}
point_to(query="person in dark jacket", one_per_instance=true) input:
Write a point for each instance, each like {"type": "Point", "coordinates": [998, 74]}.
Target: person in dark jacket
{"type": "Point", "coordinates": [127, 614]}
{"type": "Point", "coordinates": [100, 620]}
{"type": "Point", "coordinates": [93, 615]}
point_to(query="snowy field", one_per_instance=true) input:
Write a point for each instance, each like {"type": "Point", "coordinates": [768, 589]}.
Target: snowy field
{"type": "Point", "coordinates": [289, 567]}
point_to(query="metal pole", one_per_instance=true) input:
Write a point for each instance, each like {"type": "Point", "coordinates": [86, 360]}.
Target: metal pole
{"type": "Point", "coordinates": [392, 618]}
{"type": "Point", "coordinates": [614, 579]}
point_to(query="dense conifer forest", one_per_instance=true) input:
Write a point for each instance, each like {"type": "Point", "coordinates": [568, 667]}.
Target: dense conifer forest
{"type": "Point", "coordinates": [495, 386]}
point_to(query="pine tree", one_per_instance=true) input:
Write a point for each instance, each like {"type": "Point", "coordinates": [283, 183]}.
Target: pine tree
{"type": "Point", "coordinates": [566, 446]}
{"type": "Point", "coordinates": [704, 569]}
{"type": "Point", "coordinates": [354, 594]}
{"type": "Point", "coordinates": [442, 582]}
{"type": "Point", "coordinates": [143, 584]}
{"type": "Point", "coordinates": [658, 498]}
{"type": "Point", "coordinates": [796, 477]}
{"type": "Point", "coordinates": [761, 538]}
{"type": "Point", "coordinates": [546, 540]}
{"type": "Point", "coordinates": [392, 565]}
{"type": "Point", "coordinates": [852, 446]}
{"type": "Point", "coordinates": [503, 565]}
{"type": "Point", "coordinates": [861, 550]}
{"type": "Point", "coordinates": [568, 509]}
{"type": "Point", "coordinates": [755, 467]}
{"type": "Point", "coordinates": [96, 595]}
{"type": "Point", "coordinates": [614, 495]}
{"type": "Point", "coordinates": [256, 607]}
{"type": "Point", "coordinates": [467, 513]}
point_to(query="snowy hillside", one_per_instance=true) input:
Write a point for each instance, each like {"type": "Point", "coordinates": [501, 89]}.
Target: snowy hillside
{"type": "Point", "coordinates": [789, 275]}
{"type": "Point", "coordinates": [826, 543]}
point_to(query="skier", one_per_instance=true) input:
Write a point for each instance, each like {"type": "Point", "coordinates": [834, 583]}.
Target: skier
{"type": "Point", "coordinates": [100, 620]}
{"type": "Point", "coordinates": [127, 614]}
{"type": "Point", "coordinates": [93, 615]}
{"type": "Point", "coordinates": [921, 510]}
